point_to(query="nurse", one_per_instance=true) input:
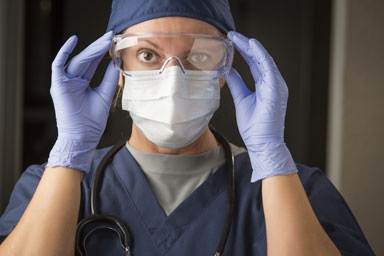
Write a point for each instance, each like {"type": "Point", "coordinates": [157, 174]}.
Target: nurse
{"type": "Point", "coordinates": [168, 183]}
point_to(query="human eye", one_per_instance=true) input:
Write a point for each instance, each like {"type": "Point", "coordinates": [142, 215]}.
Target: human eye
{"type": "Point", "coordinates": [198, 57]}
{"type": "Point", "coordinates": [147, 56]}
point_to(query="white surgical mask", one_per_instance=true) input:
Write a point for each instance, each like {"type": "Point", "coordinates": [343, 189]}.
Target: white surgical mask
{"type": "Point", "coordinates": [171, 109]}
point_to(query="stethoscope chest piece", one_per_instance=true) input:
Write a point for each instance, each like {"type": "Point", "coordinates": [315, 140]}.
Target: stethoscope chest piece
{"type": "Point", "coordinates": [90, 225]}
{"type": "Point", "coordinates": [98, 219]}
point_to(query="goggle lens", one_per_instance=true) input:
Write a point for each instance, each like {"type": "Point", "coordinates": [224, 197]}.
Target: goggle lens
{"type": "Point", "coordinates": [152, 52]}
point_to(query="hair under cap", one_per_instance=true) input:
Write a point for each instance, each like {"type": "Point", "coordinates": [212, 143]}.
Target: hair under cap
{"type": "Point", "coordinates": [126, 13]}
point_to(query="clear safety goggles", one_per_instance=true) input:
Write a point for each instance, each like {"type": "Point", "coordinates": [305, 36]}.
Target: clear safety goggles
{"type": "Point", "coordinates": [149, 51]}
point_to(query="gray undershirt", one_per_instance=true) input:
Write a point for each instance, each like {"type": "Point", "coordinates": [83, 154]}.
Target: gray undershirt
{"type": "Point", "coordinates": [173, 177]}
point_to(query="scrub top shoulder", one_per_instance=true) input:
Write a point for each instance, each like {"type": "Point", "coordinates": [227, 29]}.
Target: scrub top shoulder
{"type": "Point", "coordinates": [195, 226]}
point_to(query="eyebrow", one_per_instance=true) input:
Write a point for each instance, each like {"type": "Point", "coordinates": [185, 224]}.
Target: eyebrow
{"type": "Point", "coordinates": [151, 43]}
{"type": "Point", "coordinates": [161, 49]}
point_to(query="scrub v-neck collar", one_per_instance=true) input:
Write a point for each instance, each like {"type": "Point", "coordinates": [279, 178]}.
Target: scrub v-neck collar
{"type": "Point", "coordinates": [165, 230]}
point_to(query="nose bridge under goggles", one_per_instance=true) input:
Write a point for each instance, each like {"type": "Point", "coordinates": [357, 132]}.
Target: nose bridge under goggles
{"type": "Point", "coordinates": [150, 51]}
{"type": "Point", "coordinates": [168, 60]}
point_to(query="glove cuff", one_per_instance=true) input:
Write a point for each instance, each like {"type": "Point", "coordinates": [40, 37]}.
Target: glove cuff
{"type": "Point", "coordinates": [270, 159]}
{"type": "Point", "coordinates": [72, 154]}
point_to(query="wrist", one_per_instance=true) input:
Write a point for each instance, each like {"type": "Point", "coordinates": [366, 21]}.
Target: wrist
{"type": "Point", "coordinates": [270, 159]}
{"type": "Point", "coordinates": [73, 154]}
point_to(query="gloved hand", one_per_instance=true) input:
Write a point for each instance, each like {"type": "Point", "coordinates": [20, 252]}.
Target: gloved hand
{"type": "Point", "coordinates": [81, 111]}
{"type": "Point", "coordinates": [260, 115]}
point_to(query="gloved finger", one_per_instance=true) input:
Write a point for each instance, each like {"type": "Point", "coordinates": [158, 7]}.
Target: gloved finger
{"type": "Point", "coordinates": [267, 66]}
{"type": "Point", "coordinates": [80, 64]}
{"type": "Point", "coordinates": [62, 56]}
{"type": "Point", "coordinates": [242, 44]}
{"type": "Point", "coordinates": [107, 87]}
{"type": "Point", "coordinates": [263, 60]}
{"type": "Point", "coordinates": [90, 71]}
{"type": "Point", "coordinates": [250, 47]}
{"type": "Point", "coordinates": [237, 86]}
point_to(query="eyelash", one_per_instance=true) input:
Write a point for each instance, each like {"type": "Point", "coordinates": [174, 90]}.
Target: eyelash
{"type": "Point", "coordinates": [141, 51]}
{"type": "Point", "coordinates": [202, 53]}
{"type": "Point", "coordinates": [150, 51]}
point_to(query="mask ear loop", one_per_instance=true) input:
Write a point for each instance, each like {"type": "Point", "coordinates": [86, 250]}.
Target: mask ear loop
{"type": "Point", "coordinates": [169, 60]}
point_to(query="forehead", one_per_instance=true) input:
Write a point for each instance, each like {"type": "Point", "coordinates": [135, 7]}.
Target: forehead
{"type": "Point", "coordinates": [174, 25]}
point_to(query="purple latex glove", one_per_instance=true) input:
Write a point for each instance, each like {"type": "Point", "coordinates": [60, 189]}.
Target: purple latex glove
{"type": "Point", "coordinates": [261, 114]}
{"type": "Point", "coordinates": [81, 111]}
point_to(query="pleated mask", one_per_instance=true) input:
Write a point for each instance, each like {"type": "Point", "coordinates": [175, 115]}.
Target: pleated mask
{"type": "Point", "coordinates": [171, 108]}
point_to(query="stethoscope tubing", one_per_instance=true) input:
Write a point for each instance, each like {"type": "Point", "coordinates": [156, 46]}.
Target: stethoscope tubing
{"type": "Point", "coordinates": [125, 238]}
{"type": "Point", "coordinates": [231, 191]}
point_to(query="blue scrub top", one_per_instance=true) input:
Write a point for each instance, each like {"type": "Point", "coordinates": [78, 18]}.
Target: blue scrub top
{"type": "Point", "coordinates": [195, 226]}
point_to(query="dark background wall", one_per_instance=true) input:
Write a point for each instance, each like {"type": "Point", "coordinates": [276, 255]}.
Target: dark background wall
{"type": "Point", "coordinates": [296, 33]}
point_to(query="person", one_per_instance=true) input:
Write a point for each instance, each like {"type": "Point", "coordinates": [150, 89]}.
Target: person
{"type": "Point", "coordinates": [168, 183]}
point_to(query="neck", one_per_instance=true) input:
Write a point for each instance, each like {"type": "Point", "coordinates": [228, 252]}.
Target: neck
{"type": "Point", "coordinates": [204, 143]}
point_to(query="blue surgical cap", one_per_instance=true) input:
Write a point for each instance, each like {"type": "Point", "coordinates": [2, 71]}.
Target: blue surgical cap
{"type": "Point", "coordinates": [126, 13]}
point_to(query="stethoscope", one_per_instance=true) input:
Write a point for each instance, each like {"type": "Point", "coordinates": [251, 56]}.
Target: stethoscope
{"type": "Point", "coordinates": [125, 238]}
